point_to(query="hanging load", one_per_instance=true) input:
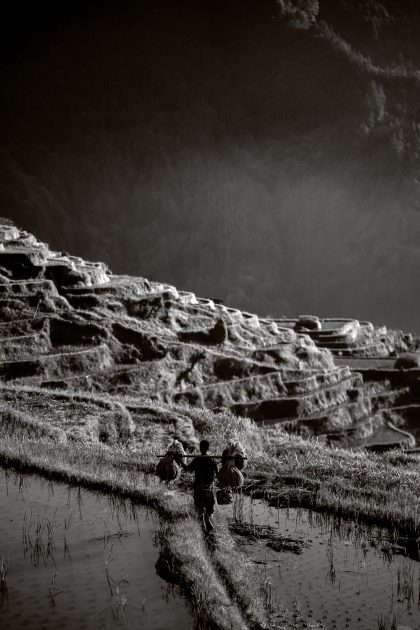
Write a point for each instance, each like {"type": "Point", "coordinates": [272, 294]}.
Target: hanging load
{"type": "Point", "coordinates": [234, 452]}
{"type": "Point", "coordinates": [169, 467]}
{"type": "Point", "coordinates": [233, 461]}
{"type": "Point", "coordinates": [224, 496]}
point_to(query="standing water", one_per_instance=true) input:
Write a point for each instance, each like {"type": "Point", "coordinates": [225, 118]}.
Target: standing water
{"type": "Point", "coordinates": [71, 558]}
{"type": "Point", "coordinates": [346, 575]}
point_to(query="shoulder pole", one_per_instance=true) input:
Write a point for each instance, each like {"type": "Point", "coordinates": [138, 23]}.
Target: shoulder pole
{"type": "Point", "coordinates": [208, 456]}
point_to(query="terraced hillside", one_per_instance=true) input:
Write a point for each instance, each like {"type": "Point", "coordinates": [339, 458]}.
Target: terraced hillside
{"type": "Point", "coordinates": [99, 373]}
{"type": "Point", "coordinates": [72, 326]}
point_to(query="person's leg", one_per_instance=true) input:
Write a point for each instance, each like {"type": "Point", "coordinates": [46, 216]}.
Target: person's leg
{"type": "Point", "coordinates": [209, 502]}
{"type": "Point", "coordinates": [199, 504]}
{"type": "Point", "coordinates": [208, 522]}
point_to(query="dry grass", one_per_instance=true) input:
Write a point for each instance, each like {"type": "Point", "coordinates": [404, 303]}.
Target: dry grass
{"type": "Point", "coordinates": [368, 487]}
{"type": "Point", "coordinates": [225, 590]}
{"type": "Point", "coordinates": [116, 470]}
{"type": "Point", "coordinates": [381, 489]}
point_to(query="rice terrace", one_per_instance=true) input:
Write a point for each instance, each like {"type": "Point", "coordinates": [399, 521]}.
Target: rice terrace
{"type": "Point", "coordinates": [104, 376]}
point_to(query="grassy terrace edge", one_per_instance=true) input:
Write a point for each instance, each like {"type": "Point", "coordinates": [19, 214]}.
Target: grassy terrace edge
{"type": "Point", "coordinates": [218, 580]}
{"type": "Point", "coordinates": [225, 589]}
{"type": "Point", "coordinates": [378, 489]}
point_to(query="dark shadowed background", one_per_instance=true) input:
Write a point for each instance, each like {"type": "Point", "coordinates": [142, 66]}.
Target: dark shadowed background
{"type": "Point", "coordinates": [265, 153]}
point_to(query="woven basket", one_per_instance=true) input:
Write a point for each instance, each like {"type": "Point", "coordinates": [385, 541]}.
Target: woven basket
{"type": "Point", "coordinates": [234, 455]}
{"type": "Point", "coordinates": [224, 496]}
{"type": "Point", "coordinates": [230, 477]}
{"type": "Point", "coordinates": [167, 469]}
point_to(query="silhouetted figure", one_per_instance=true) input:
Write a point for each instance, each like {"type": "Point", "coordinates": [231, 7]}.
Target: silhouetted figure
{"type": "Point", "coordinates": [205, 471]}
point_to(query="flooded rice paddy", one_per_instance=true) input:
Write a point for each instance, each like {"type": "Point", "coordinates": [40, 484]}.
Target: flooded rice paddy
{"type": "Point", "coordinates": [71, 558]}
{"type": "Point", "coordinates": [343, 574]}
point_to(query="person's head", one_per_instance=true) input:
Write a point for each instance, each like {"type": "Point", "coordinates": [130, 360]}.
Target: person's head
{"type": "Point", "coordinates": [204, 446]}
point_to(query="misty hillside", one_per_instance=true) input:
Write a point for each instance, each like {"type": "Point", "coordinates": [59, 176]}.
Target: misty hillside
{"type": "Point", "coordinates": [71, 325]}
{"type": "Point", "coordinates": [265, 153]}
{"type": "Point", "coordinates": [101, 374]}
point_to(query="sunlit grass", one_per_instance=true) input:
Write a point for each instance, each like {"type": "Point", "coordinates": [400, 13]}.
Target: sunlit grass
{"type": "Point", "coordinates": [286, 470]}
{"type": "Point", "coordinates": [117, 470]}
{"type": "Point", "coordinates": [381, 489]}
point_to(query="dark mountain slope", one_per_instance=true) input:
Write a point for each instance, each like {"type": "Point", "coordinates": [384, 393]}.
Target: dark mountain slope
{"type": "Point", "coordinates": [224, 150]}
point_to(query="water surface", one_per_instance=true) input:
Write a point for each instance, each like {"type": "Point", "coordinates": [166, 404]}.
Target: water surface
{"type": "Point", "coordinates": [347, 576]}
{"type": "Point", "coordinates": [77, 559]}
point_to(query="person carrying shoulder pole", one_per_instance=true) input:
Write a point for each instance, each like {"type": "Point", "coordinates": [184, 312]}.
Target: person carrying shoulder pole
{"type": "Point", "coordinates": [205, 471]}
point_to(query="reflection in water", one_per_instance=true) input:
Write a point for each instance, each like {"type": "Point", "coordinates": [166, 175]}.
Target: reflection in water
{"type": "Point", "coordinates": [341, 573]}
{"type": "Point", "coordinates": [77, 559]}
{"type": "Point", "coordinates": [4, 591]}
